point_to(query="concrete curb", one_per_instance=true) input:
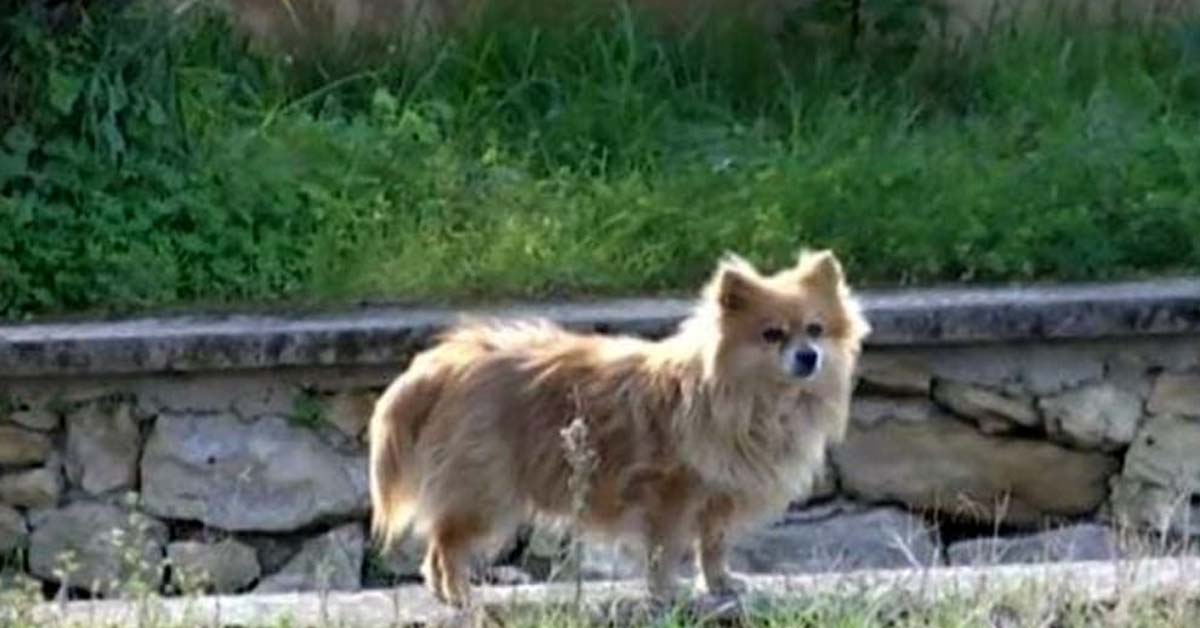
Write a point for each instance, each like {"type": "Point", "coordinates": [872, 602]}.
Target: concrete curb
{"type": "Point", "coordinates": [406, 606]}
{"type": "Point", "coordinates": [387, 335]}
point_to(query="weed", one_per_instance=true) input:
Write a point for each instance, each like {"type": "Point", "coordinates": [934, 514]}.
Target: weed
{"type": "Point", "coordinates": [8, 405]}
{"type": "Point", "coordinates": [308, 409]}
{"type": "Point", "coordinates": [141, 572]}
{"type": "Point", "coordinates": [58, 405]}
{"type": "Point", "coordinates": [582, 459]}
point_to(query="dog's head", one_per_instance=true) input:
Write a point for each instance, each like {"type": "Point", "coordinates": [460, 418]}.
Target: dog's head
{"type": "Point", "coordinates": [800, 326]}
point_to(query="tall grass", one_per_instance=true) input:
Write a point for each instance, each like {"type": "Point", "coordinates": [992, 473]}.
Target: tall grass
{"type": "Point", "coordinates": [148, 162]}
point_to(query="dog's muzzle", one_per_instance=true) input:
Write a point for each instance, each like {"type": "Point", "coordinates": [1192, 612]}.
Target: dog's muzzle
{"type": "Point", "coordinates": [804, 361]}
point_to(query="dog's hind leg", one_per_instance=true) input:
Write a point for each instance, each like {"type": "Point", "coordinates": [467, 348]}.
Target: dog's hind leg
{"type": "Point", "coordinates": [453, 541]}
{"type": "Point", "coordinates": [431, 570]}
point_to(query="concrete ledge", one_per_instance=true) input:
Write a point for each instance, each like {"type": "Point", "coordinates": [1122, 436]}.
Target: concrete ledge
{"type": "Point", "coordinates": [407, 606]}
{"type": "Point", "coordinates": [385, 335]}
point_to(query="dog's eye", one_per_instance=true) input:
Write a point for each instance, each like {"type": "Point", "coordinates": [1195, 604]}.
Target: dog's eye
{"type": "Point", "coordinates": [773, 335]}
{"type": "Point", "coordinates": [814, 330]}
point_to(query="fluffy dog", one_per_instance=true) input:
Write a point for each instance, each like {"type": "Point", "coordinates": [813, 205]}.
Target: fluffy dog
{"type": "Point", "coordinates": [694, 436]}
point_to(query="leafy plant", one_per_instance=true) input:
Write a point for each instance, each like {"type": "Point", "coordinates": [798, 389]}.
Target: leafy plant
{"type": "Point", "coordinates": [150, 161]}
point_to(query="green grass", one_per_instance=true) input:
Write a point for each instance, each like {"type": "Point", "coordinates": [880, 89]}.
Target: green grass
{"type": "Point", "coordinates": [146, 165]}
{"type": "Point", "coordinates": [890, 610]}
{"type": "Point", "coordinates": [879, 610]}
{"type": "Point", "coordinates": [994, 608]}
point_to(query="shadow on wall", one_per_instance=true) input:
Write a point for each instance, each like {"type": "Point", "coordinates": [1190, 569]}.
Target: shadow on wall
{"type": "Point", "coordinates": [296, 25]}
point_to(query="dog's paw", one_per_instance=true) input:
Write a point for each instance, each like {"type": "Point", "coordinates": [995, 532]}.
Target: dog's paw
{"type": "Point", "coordinates": [724, 585]}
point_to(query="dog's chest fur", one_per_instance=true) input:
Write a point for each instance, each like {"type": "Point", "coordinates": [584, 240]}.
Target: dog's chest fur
{"type": "Point", "coordinates": [764, 445]}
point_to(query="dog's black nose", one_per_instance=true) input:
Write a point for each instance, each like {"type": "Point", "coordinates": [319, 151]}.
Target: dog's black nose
{"type": "Point", "coordinates": [804, 363]}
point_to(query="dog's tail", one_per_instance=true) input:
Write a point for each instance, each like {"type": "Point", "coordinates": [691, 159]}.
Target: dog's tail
{"type": "Point", "coordinates": [396, 424]}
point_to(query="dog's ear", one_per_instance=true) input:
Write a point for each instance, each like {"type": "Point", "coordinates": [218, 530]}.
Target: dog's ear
{"type": "Point", "coordinates": [821, 271]}
{"type": "Point", "coordinates": [734, 285]}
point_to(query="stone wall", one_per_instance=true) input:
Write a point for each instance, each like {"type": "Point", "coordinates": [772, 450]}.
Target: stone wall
{"type": "Point", "coordinates": [228, 454]}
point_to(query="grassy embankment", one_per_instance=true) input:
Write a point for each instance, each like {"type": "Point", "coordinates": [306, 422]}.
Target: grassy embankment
{"type": "Point", "coordinates": [145, 165]}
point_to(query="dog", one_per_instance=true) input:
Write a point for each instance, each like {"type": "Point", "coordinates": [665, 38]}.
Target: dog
{"type": "Point", "coordinates": [692, 438]}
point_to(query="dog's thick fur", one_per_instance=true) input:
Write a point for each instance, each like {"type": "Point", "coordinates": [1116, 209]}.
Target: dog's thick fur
{"type": "Point", "coordinates": [696, 435]}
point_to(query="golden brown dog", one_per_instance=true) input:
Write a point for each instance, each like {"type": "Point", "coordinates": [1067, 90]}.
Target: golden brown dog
{"type": "Point", "coordinates": [694, 436]}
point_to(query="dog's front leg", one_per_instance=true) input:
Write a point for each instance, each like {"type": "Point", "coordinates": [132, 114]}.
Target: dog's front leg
{"type": "Point", "coordinates": [712, 548]}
